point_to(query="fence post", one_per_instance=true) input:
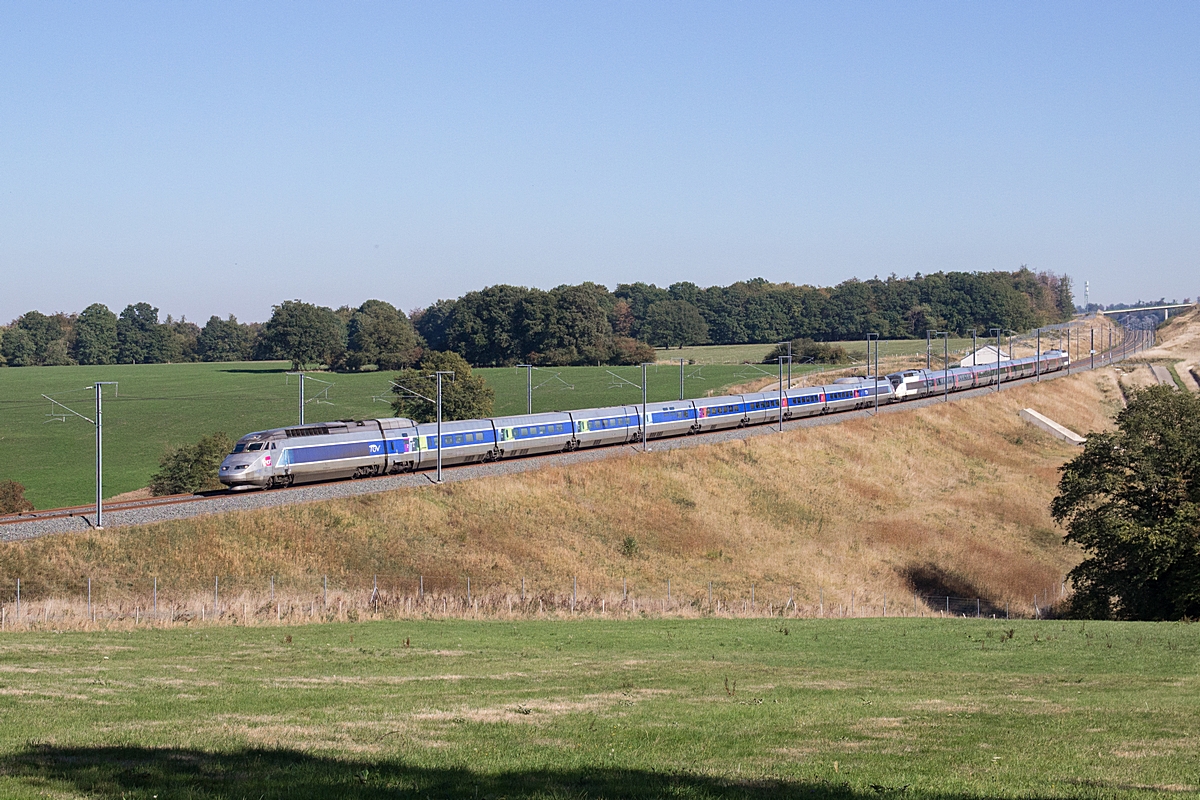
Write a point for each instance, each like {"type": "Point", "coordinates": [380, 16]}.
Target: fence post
{"type": "Point", "coordinates": [156, 595]}
{"type": "Point", "coordinates": [624, 589]}
{"type": "Point", "coordinates": [18, 601]}
{"type": "Point", "coordinates": [272, 587]}
{"type": "Point", "coordinates": [947, 605]}
{"type": "Point", "coordinates": [421, 591]}
{"type": "Point", "coordinates": [325, 592]}
{"type": "Point", "coordinates": [821, 599]}
{"type": "Point", "coordinates": [216, 587]}
{"type": "Point", "coordinates": [468, 590]}
{"type": "Point", "coordinates": [976, 608]}
{"type": "Point", "coordinates": [710, 595]}
{"type": "Point", "coordinates": [668, 588]}
{"type": "Point", "coordinates": [522, 590]}
{"type": "Point", "coordinates": [574, 591]}
{"type": "Point", "coordinates": [752, 595]}
{"type": "Point", "coordinates": [89, 597]}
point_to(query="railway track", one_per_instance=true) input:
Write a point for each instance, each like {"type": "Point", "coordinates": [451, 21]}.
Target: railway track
{"type": "Point", "coordinates": [109, 506]}
{"type": "Point", "coordinates": [134, 512]}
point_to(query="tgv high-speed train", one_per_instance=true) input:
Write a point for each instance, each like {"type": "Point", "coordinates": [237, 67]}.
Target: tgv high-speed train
{"type": "Point", "coordinates": [362, 448]}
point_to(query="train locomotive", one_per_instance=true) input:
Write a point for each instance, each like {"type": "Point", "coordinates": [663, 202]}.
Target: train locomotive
{"type": "Point", "coordinates": [363, 448]}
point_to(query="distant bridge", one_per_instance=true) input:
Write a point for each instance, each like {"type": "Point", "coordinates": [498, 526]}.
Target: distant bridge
{"type": "Point", "coordinates": [1165, 309]}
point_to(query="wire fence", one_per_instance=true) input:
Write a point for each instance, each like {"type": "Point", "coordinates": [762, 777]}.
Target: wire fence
{"type": "Point", "coordinates": [237, 602]}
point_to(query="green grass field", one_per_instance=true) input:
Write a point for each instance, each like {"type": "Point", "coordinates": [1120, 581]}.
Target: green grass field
{"type": "Point", "coordinates": [596, 709]}
{"type": "Point", "coordinates": [160, 406]}
{"type": "Point", "coordinates": [856, 349]}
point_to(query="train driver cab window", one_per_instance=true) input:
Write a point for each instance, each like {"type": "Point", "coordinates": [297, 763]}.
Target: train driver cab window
{"type": "Point", "coordinates": [255, 446]}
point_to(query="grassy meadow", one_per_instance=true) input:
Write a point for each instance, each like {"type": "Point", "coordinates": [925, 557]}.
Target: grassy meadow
{"type": "Point", "coordinates": [602, 709]}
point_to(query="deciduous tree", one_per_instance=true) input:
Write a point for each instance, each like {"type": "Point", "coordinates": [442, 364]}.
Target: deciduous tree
{"type": "Point", "coordinates": [223, 340]}
{"type": "Point", "coordinates": [1131, 500]}
{"type": "Point", "coordinates": [465, 396]}
{"type": "Point", "coordinates": [96, 335]}
{"type": "Point", "coordinates": [304, 333]}
{"type": "Point", "coordinates": [381, 335]}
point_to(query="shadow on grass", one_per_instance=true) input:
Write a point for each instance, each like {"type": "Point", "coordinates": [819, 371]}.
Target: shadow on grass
{"type": "Point", "coordinates": [153, 772]}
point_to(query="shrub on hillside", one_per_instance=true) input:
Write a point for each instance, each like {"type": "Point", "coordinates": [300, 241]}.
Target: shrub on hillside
{"type": "Point", "coordinates": [12, 498]}
{"type": "Point", "coordinates": [627, 351]}
{"type": "Point", "coordinates": [806, 351]}
{"type": "Point", "coordinates": [191, 468]}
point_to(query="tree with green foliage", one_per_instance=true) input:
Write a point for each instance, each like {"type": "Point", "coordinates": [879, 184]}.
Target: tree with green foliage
{"type": "Point", "coordinates": [223, 340]}
{"type": "Point", "coordinates": [381, 335]}
{"type": "Point", "coordinates": [12, 498]}
{"type": "Point", "coordinates": [304, 333]}
{"type": "Point", "coordinates": [36, 339]}
{"type": "Point", "coordinates": [674, 322]}
{"type": "Point", "coordinates": [96, 335]}
{"type": "Point", "coordinates": [1131, 500]}
{"type": "Point", "coordinates": [464, 396]}
{"type": "Point", "coordinates": [192, 468]}
{"type": "Point", "coordinates": [141, 338]}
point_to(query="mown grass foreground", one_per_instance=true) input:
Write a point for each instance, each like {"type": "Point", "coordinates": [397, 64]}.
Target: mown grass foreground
{"type": "Point", "coordinates": [594, 709]}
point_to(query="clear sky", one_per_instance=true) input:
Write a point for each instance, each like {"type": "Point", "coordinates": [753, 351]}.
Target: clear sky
{"type": "Point", "coordinates": [215, 158]}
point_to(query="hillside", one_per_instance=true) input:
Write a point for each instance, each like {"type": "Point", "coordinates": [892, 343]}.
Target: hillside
{"type": "Point", "coordinates": [942, 499]}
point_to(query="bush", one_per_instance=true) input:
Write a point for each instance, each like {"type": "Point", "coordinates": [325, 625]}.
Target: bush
{"type": "Point", "coordinates": [192, 468]}
{"type": "Point", "coordinates": [806, 351]}
{"type": "Point", "coordinates": [12, 498]}
{"type": "Point", "coordinates": [627, 351]}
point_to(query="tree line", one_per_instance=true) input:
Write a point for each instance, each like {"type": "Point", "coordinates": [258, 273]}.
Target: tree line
{"type": "Point", "coordinates": [504, 325]}
{"type": "Point", "coordinates": [569, 325]}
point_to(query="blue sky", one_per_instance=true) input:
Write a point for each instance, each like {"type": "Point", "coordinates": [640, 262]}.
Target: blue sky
{"type": "Point", "coordinates": [218, 158]}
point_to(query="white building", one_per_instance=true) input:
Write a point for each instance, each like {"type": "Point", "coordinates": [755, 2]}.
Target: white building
{"type": "Point", "coordinates": [983, 357]}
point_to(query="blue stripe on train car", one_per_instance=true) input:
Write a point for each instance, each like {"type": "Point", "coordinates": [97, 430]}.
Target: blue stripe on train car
{"type": "Point", "coordinates": [539, 431]}
{"type": "Point", "coordinates": [607, 423]}
{"type": "Point", "coordinates": [670, 416]}
{"type": "Point", "coordinates": [460, 439]}
{"type": "Point", "coordinates": [335, 452]}
{"type": "Point", "coordinates": [721, 411]}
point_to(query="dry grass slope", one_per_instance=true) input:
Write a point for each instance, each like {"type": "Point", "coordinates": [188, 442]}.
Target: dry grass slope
{"type": "Point", "coordinates": [953, 496]}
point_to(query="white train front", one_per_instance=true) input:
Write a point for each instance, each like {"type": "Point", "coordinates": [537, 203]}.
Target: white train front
{"type": "Point", "coordinates": [363, 448]}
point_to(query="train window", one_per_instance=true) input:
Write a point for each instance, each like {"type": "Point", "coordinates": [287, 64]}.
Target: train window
{"type": "Point", "coordinates": [255, 446]}
{"type": "Point", "coordinates": [458, 439]}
